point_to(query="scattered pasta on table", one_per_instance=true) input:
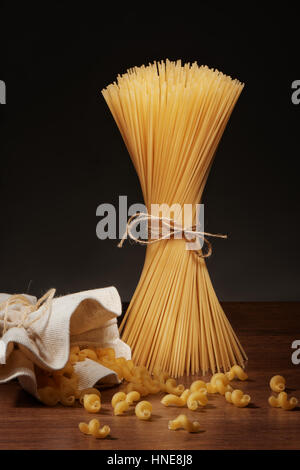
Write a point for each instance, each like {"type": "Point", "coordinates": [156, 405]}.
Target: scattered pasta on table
{"type": "Point", "coordinates": [61, 386]}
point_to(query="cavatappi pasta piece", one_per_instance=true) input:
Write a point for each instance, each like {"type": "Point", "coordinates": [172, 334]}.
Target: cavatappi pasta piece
{"type": "Point", "coordinates": [106, 353]}
{"type": "Point", "coordinates": [91, 402]}
{"type": "Point", "coordinates": [174, 400]}
{"type": "Point", "coordinates": [211, 388]}
{"type": "Point", "coordinates": [67, 386]}
{"type": "Point", "coordinates": [219, 384]}
{"type": "Point", "coordinates": [182, 421]}
{"type": "Point", "coordinates": [88, 391]}
{"type": "Point", "coordinates": [93, 429]}
{"type": "Point", "coordinates": [44, 380]}
{"type": "Point", "coordinates": [238, 398]}
{"type": "Point", "coordinates": [140, 373]}
{"type": "Point", "coordinates": [199, 397]}
{"type": "Point", "coordinates": [121, 407]}
{"type": "Point", "coordinates": [87, 353]}
{"type": "Point", "coordinates": [67, 400]}
{"type": "Point", "coordinates": [160, 375]}
{"type": "Point", "coordinates": [236, 371]}
{"type": "Point", "coordinates": [137, 387]}
{"type": "Point", "coordinates": [119, 396]}
{"type": "Point", "coordinates": [221, 388]}
{"type": "Point", "coordinates": [73, 358]}
{"type": "Point", "coordinates": [282, 401]}
{"type": "Point", "coordinates": [143, 410]}
{"type": "Point", "coordinates": [277, 383]}
{"type": "Point", "coordinates": [126, 372]}
{"type": "Point", "coordinates": [74, 350]}
{"type": "Point", "coordinates": [171, 387]}
{"type": "Point", "coordinates": [153, 386]}
{"type": "Point", "coordinates": [219, 376]}
{"type": "Point", "coordinates": [133, 396]}
{"type": "Point", "coordinates": [197, 385]}
{"type": "Point", "coordinates": [48, 395]}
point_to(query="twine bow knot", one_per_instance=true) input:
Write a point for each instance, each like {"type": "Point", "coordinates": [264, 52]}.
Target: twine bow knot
{"type": "Point", "coordinates": [171, 229]}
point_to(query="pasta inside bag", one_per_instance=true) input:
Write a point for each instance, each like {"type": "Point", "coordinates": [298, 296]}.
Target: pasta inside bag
{"type": "Point", "coordinates": [41, 333]}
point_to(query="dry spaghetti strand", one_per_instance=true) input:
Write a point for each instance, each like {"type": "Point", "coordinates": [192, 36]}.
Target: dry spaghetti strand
{"type": "Point", "coordinates": [172, 117]}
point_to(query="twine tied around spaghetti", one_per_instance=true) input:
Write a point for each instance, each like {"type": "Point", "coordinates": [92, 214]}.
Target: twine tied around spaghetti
{"type": "Point", "coordinates": [173, 228]}
{"type": "Point", "coordinates": [26, 309]}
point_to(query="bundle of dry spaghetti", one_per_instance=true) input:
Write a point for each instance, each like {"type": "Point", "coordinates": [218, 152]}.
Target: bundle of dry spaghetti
{"type": "Point", "coordinates": [171, 117]}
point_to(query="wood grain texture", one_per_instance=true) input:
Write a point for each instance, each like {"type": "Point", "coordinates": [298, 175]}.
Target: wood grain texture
{"type": "Point", "coordinates": [266, 331]}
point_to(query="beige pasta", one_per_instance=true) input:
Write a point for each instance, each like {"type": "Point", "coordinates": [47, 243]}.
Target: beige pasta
{"type": "Point", "coordinates": [282, 401]}
{"type": "Point", "coordinates": [197, 398]}
{"type": "Point", "coordinates": [219, 384]}
{"type": "Point", "coordinates": [93, 429]}
{"type": "Point", "coordinates": [238, 398]}
{"type": "Point", "coordinates": [172, 117]}
{"type": "Point", "coordinates": [140, 373]}
{"type": "Point", "coordinates": [49, 396]}
{"type": "Point", "coordinates": [143, 410]}
{"type": "Point", "coordinates": [153, 386]}
{"type": "Point", "coordinates": [197, 384]}
{"type": "Point", "coordinates": [236, 371]}
{"type": "Point", "coordinates": [161, 376]}
{"type": "Point", "coordinates": [137, 387]}
{"type": "Point", "coordinates": [211, 388]}
{"type": "Point", "coordinates": [171, 387]}
{"type": "Point", "coordinates": [131, 397]}
{"type": "Point", "coordinates": [277, 383]}
{"type": "Point", "coordinates": [120, 407]}
{"type": "Point", "coordinates": [67, 400]}
{"type": "Point", "coordinates": [87, 353]}
{"type": "Point", "coordinates": [174, 400]}
{"type": "Point", "coordinates": [91, 402]}
{"type": "Point", "coordinates": [87, 391]}
{"type": "Point", "coordinates": [117, 397]}
{"type": "Point", "coordinates": [182, 422]}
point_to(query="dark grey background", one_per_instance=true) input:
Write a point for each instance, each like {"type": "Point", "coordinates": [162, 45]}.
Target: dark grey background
{"type": "Point", "coordinates": [62, 155]}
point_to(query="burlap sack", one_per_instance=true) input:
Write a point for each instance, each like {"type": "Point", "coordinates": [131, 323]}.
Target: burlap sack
{"type": "Point", "coordinates": [41, 332]}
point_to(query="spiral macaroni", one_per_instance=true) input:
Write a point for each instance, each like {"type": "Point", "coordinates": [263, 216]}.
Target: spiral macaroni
{"type": "Point", "coordinates": [238, 398]}
{"type": "Point", "coordinates": [236, 371]}
{"type": "Point", "coordinates": [182, 421]}
{"type": "Point", "coordinates": [171, 399]}
{"type": "Point", "coordinates": [277, 383]}
{"type": "Point", "coordinates": [93, 429]}
{"type": "Point", "coordinates": [281, 401]}
{"type": "Point", "coordinates": [91, 402]}
{"type": "Point", "coordinates": [131, 397]}
{"type": "Point", "coordinates": [143, 410]}
{"type": "Point", "coordinates": [199, 397]}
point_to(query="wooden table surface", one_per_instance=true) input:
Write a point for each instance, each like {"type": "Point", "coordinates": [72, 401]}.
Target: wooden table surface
{"type": "Point", "coordinates": [266, 331]}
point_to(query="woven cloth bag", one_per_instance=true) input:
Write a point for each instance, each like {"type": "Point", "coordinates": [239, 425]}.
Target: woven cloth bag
{"type": "Point", "coordinates": [41, 332]}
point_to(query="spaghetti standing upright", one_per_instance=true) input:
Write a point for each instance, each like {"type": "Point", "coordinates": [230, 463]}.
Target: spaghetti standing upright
{"type": "Point", "coordinates": [171, 117]}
